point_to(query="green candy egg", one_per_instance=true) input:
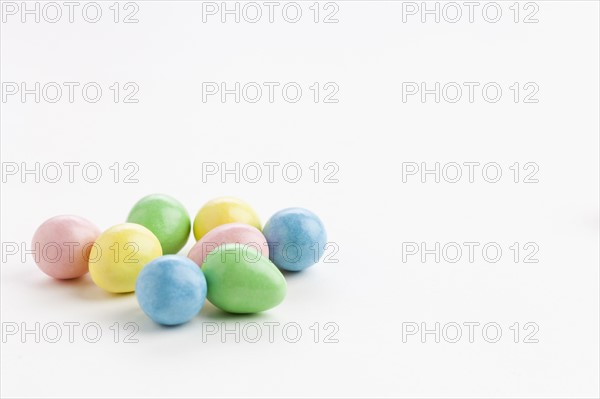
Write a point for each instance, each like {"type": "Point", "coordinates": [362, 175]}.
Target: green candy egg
{"type": "Point", "coordinates": [241, 280]}
{"type": "Point", "coordinates": [166, 218]}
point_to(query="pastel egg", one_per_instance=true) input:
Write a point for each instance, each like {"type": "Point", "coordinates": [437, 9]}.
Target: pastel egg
{"type": "Point", "coordinates": [296, 238]}
{"type": "Point", "coordinates": [119, 254]}
{"type": "Point", "coordinates": [62, 246]}
{"type": "Point", "coordinates": [241, 280]}
{"type": "Point", "coordinates": [228, 233]}
{"type": "Point", "coordinates": [166, 218]}
{"type": "Point", "coordinates": [171, 289]}
{"type": "Point", "coordinates": [221, 211]}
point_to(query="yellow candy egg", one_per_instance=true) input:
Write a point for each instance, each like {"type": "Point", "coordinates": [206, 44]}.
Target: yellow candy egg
{"type": "Point", "coordinates": [119, 254]}
{"type": "Point", "coordinates": [221, 211]}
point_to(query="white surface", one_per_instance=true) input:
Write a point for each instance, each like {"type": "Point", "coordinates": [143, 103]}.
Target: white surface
{"type": "Point", "coordinates": [369, 133]}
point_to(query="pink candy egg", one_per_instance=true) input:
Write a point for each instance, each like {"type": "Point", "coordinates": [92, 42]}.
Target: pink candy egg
{"type": "Point", "coordinates": [62, 246]}
{"type": "Point", "coordinates": [239, 233]}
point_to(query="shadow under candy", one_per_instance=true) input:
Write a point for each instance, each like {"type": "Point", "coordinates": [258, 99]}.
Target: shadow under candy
{"type": "Point", "coordinates": [211, 312]}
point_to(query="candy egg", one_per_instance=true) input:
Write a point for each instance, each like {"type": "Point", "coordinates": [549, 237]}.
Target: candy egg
{"type": "Point", "coordinates": [296, 238]}
{"type": "Point", "coordinates": [119, 254]}
{"type": "Point", "coordinates": [241, 280]}
{"type": "Point", "coordinates": [62, 246]}
{"type": "Point", "coordinates": [221, 211]}
{"type": "Point", "coordinates": [171, 289]}
{"type": "Point", "coordinates": [166, 218]}
{"type": "Point", "coordinates": [228, 233]}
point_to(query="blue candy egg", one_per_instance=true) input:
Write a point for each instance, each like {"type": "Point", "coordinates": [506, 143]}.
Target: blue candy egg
{"type": "Point", "coordinates": [296, 238]}
{"type": "Point", "coordinates": [171, 289]}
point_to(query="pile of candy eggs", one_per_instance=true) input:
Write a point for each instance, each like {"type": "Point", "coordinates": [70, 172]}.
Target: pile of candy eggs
{"type": "Point", "coordinates": [235, 262]}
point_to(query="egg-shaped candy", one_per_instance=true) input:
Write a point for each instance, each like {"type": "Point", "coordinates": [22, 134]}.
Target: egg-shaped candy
{"type": "Point", "coordinates": [166, 218]}
{"type": "Point", "coordinates": [228, 233]}
{"type": "Point", "coordinates": [296, 238]}
{"type": "Point", "coordinates": [171, 289]}
{"type": "Point", "coordinates": [62, 245]}
{"type": "Point", "coordinates": [241, 280]}
{"type": "Point", "coordinates": [221, 211]}
{"type": "Point", "coordinates": [119, 254]}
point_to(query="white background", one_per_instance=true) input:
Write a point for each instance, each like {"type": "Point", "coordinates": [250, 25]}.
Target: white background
{"type": "Point", "coordinates": [369, 213]}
